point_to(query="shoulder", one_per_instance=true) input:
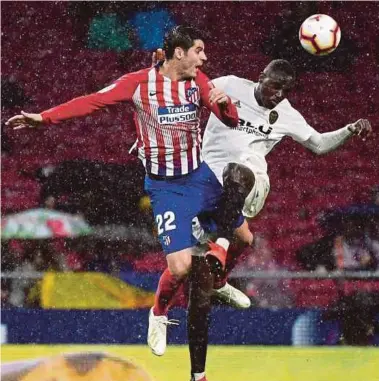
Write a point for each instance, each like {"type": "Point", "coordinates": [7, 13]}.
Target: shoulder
{"type": "Point", "coordinates": [137, 76]}
{"type": "Point", "coordinates": [237, 86]}
{"type": "Point", "coordinates": [201, 78]}
{"type": "Point", "coordinates": [293, 123]}
{"type": "Point", "coordinates": [233, 79]}
{"type": "Point", "coordinates": [286, 106]}
{"type": "Point", "coordinates": [242, 81]}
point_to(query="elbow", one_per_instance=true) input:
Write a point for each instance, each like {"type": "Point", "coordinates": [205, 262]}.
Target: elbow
{"type": "Point", "coordinates": [229, 115]}
{"type": "Point", "coordinates": [317, 150]}
{"type": "Point", "coordinates": [232, 122]}
{"type": "Point", "coordinates": [229, 121]}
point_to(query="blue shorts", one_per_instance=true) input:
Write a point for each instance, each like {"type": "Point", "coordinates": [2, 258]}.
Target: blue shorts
{"type": "Point", "coordinates": [176, 202]}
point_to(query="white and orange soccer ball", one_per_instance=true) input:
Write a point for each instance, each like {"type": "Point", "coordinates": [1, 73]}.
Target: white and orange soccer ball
{"type": "Point", "coordinates": [319, 35]}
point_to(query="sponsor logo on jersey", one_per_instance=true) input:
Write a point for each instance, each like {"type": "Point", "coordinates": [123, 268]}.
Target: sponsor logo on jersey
{"type": "Point", "coordinates": [273, 117]}
{"type": "Point", "coordinates": [192, 94]}
{"type": "Point", "coordinates": [177, 114]}
{"type": "Point", "coordinates": [263, 130]}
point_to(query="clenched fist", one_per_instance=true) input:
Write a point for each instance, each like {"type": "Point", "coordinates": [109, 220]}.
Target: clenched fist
{"type": "Point", "coordinates": [362, 128]}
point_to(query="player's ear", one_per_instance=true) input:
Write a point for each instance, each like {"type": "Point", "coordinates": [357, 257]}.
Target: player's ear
{"type": "Point", "coordinates": [261, 77]}
{"type": "Point", "coordinates": [179, 53]}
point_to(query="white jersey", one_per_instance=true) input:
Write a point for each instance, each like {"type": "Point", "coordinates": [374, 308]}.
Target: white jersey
{"type": "Point", "coordinates": [258, 131]}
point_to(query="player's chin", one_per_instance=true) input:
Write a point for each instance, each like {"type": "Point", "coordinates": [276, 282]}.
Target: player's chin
{"type": "Point", "coordinates": [270, 103]}
{"type": "Point", "coordinates": [189, 76]}
{"type": "Point", "coordinates": [194, 72]}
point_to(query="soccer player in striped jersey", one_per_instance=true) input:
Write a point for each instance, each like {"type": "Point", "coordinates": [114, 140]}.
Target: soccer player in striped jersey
{"type": "Point", "coordinates": [167, 99]}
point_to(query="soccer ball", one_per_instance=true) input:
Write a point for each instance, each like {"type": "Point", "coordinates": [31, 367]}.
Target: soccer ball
{"type": "Point", "coordinates": [319, 35]}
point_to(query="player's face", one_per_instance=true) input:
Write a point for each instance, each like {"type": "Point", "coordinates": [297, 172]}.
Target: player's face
{"type": "Point", "coordinates": [273, 89]}
{"type": "Point", "coordinates": [193, 59]}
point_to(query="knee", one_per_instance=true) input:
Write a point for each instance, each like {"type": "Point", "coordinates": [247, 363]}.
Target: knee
{"type": "Point", "coordinates": [238, 180]}
{"type": "Point", "coordinates": [179, 266]}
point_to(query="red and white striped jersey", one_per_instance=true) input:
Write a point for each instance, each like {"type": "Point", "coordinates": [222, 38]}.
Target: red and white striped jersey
{"type": "Point", "coordinates": [167, 117]}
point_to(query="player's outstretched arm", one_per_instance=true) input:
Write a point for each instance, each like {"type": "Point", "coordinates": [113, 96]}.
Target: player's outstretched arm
{"type": "Point", "coordinates": [329, 141]}
{"type": "Point", "coordinates": [24, 120]}
{"type": "Point", "coordinates": [119, 91]}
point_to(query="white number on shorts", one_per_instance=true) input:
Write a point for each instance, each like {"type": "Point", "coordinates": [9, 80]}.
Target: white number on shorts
{"type": "Point", "coordinates": [168, 219]}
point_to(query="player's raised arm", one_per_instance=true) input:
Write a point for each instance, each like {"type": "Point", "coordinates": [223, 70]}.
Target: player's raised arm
{"type": "Point", "coordinates": [217, 101]}
{"type": "Point", "coordinates": [119, 91]}
{"type": "Point", "coordinates": [158, 55]}
{"type": "Point", "coordinates": [329, 141]}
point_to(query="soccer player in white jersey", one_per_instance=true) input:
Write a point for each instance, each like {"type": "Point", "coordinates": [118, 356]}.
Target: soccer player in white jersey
{"type": "Point", "coordinates": [167, 99]}
{"type": "Point", "coordinates": [238, 155]}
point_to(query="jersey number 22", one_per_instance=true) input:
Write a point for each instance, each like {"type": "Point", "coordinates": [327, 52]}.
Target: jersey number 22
{"type": "Point", "coordinates": [165, 222]}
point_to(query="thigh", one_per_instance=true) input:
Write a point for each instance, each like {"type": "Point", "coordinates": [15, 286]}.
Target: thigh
{"type": "Point", "coordinates": [179, 262]}
{"type": "Point", "coordinates": [173, 214]}
{"type": "Point", "coordinates": [176, 202]}
{"type": "Point", "coordinates": [211, 190]}
{"type": "Point", "coordinates": [255, 200]}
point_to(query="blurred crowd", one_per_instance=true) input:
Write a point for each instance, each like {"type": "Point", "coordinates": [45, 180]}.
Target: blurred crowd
{"type": "Point", "coordinates": [351, 244]}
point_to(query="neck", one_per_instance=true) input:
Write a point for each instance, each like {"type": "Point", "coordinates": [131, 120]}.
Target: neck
{"type": "Point", "coordinates": [171, 70]}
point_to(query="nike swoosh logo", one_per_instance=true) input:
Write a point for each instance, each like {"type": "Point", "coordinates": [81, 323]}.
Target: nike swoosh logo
{"type": "Point", "coordinates": [152, 93]}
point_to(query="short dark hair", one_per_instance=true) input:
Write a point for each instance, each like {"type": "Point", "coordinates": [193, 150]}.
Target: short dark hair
{"type": "Point", "coordinates": [280, 67]}
{"type": "Point", "coordinates": [181, 36]}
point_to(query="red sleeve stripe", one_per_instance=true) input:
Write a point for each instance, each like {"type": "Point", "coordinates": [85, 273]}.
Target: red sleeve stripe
{"type": "Point", "coordinates": [175, 132]}
{"type": "Point", "coordinates": [198, 136]}
{"type": "Point", "coordinates": [156, 86]}
{"type": "Point", "coordinates": [190, 140]}
{"type": "Point", "coordinates": [143, 117]}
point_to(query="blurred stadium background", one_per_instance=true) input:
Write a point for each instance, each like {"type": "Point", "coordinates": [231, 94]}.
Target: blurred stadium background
{"type": "Point", "coordinates": [313, 273]}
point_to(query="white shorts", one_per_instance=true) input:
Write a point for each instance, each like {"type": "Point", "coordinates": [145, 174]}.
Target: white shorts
{"type": "Point", "coordinates": [255, 200]}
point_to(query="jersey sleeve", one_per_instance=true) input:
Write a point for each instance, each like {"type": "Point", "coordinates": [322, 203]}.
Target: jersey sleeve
{"type": "Point", "coordinates": [226, 113]}
{"type": "Point", "coordinates": [121, 90]}
{"type": "Point", "coordinates": [328, 141]}
{"type": "Point", "coordinates": [220, 82]}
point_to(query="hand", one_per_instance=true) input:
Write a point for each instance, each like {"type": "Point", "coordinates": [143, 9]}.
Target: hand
{"type": "Point", "coordinates": [361, 127]}
{"type": "Point", "coordinates": [217, 95]}
{"type": "Point", "coordinates": [157, 56]}
{"type": "Point", "coordinates": [24, 120]}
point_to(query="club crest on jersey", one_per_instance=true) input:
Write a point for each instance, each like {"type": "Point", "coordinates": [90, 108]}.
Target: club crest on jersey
{"type": "Point", "coordinates": [166, 240]}
{"type": "Point", "coordinates": [273, 117]}
{"type": "Point", "coordinates": [192, 94]}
